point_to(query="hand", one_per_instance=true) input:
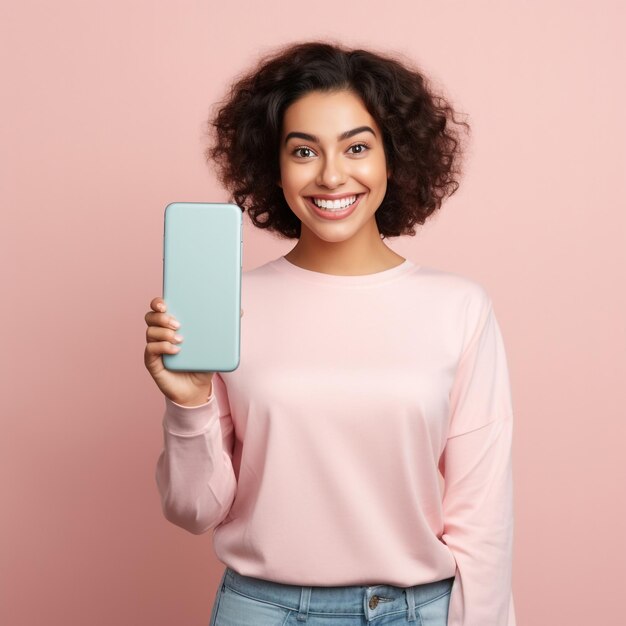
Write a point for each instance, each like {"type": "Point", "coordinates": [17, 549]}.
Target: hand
{"type": "Point", "coordinates": [185, 388]}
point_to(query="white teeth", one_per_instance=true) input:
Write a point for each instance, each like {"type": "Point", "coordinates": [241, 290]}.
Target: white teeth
{"type": "Point", "coordinates": [335, 205]}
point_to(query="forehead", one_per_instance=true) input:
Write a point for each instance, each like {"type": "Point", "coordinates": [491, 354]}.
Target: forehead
{"type": "Point", "coordinates": [326, 114]}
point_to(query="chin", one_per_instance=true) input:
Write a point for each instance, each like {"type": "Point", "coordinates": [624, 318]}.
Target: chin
{"type": "Point", "coordinates": [333, 232]}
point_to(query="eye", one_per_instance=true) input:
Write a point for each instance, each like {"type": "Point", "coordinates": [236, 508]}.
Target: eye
{"type": "Point", "coordinates": [296, 150]}
{"type": "Point", "coordinates": [359, 145]}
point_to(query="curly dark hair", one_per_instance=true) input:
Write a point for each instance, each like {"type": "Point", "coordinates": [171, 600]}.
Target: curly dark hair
{"type": "Point", "coordinates": [421, 148]}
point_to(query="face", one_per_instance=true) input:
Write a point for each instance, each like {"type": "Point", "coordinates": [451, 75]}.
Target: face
{"type": "Point", "coordinates": [331, 147]}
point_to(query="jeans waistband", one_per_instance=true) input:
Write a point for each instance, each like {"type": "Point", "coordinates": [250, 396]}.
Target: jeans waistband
{"type": "Point", "coordinates": [347, 600]}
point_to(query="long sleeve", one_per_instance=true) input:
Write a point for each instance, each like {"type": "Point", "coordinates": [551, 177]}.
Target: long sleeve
{"type": "Point", "coordinates": [478, 494]}
{"type": "Point", "coordinates": [194, 472]}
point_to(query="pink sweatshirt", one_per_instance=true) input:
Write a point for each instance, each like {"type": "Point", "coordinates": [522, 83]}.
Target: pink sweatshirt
{"type": "Point", "coordinates": [317, 461]}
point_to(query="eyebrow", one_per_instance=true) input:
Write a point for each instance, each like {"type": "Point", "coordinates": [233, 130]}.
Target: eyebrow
{"type": "Point", "coordinates": [346, 135]}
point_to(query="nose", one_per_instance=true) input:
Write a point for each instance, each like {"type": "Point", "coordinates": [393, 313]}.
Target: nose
{"type": "Point", "coordinates": [331, 173]}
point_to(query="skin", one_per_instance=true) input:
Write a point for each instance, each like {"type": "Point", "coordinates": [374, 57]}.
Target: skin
{"type": "Point", "coordinates": [352, 245]}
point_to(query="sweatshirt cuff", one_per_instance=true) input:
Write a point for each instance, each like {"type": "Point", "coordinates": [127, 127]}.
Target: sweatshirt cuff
{"type": "Point", "coordinates": [190, 420]}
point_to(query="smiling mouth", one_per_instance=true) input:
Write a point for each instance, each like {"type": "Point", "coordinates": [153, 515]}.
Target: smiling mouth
{"type": "Point", "coordinates": [334, 205]}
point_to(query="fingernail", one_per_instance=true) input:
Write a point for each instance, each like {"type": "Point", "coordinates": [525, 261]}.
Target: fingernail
{"type": "Point", "coordinates": [175, 324]}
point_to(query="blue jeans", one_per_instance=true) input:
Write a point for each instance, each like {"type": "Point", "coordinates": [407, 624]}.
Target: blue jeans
{"type": "Point", "coordinates": [248, 601]}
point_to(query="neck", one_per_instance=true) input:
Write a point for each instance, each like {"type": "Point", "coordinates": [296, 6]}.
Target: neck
{"type": "Point", "coordinates": [362, 254]}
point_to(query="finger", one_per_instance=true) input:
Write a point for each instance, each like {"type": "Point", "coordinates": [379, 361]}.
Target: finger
{"type": "Point", "coordinates": [161, 319]}
{"type": "Point", "coordinates": [158, 333]}
{"type": "Point", "coordinates": [158, 304]}
{"type": "Point", "coordinates": [156, 348]}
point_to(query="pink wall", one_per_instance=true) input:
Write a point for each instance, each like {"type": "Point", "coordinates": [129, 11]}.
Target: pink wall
{"type": "Point", "coordinates": [101, 127]}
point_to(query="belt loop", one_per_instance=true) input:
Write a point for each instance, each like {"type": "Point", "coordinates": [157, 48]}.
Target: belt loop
{"type": "Point", "coordinates": [305, 598]}
{"type": "Point", "coordinates": [410, 599]}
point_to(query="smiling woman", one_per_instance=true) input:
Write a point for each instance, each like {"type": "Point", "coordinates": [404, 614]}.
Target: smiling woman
{"type": "Point", "coordinates": [364, 378]}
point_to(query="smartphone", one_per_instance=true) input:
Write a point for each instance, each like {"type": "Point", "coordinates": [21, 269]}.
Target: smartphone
{"type": "Point", "coordinates": [202, 259]}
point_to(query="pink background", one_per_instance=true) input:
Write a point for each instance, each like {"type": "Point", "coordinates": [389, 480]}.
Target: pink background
{"type": "Point", "coordinates": [102, 119]}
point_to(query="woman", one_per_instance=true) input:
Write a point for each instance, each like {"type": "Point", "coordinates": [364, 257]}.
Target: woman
{"type": "Point", "coordinates": [363, 376]}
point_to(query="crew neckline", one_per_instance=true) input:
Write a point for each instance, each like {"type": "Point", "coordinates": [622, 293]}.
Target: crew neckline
{"type": "Point", "coordinates": [283, 265]}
